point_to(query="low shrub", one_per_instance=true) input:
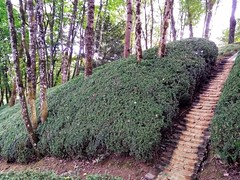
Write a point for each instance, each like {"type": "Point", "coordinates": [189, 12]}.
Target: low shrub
{"type": "Point", "coordinates": [226, 122]}
{"type": "Point", "coordinates": [31, 175]}
{"type": "Point", "coordinates": [102, 177]}
{"type": "Point", "coordinates": [124, 107]}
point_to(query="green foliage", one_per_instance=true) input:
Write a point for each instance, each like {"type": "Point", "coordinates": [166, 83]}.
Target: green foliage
{"type": "Point", "coordinates": [226, 122]}
{"type": "Point", "coordinates": [30, 175]}
{"type": "Point", "coordinates": [194, 8]}
{"type": "Point", "coordinates": [229, 49]}
{"type": "Point", "coordinates": [102, 177]}
{"type": "Point", "coordinates": [124, 107]}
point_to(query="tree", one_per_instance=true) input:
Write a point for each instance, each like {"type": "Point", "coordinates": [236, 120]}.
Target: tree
{"type": "Point", "coordinates": [67, 50]}
{"type": "Point", "coordinates": [166, 17]}
{"type": "Point", "coordinates": [192, 10]}
{"type": "Point", "coordinates": [127, 47]}
{"type": "Point", "coordinates": [208, 17]}
{"type": "Point", "coordinates": [25, 115]}
{"type": "Point", "coordinates": [89, 36]}
{"type": "Point", "coordinates": [138, 31]}
{"type": "Point", "coordinates": [232, 26]}
{"type": "Point", "coordinates": [42, 62]}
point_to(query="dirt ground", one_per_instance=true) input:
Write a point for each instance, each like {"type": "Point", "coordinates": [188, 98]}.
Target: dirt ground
{"type": "Point", "coordinates": [214, 169]}
{"type": "Point", "coordinates": [124, 167]}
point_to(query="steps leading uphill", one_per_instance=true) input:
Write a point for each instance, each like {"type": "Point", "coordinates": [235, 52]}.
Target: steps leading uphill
{"type": "Point", "coordinates": [186, 148]}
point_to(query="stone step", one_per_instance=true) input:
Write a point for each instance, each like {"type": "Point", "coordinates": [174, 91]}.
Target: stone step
{"type": "Point", "coordinates": [186, 147]}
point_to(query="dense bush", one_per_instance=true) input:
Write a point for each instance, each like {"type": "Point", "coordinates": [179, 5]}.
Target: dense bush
{"type": "Point", "coordinates": [123, 108]}
{"type": "Point", "coordinates": [226, 123]}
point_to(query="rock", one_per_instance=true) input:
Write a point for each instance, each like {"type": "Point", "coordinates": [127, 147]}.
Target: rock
{"type": "Point", "coordinates": [149, 176]}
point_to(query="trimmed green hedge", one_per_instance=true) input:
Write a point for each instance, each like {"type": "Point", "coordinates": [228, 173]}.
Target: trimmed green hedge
{"type": "Point", "coordinates": [226, 122]}
{"type": "Point", "coordinates": [124, 107]}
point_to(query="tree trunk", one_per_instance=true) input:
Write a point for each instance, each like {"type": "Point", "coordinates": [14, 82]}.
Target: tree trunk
{"type": "Point", "coordinates": [66, 51]}
{"type": "Point", "coordinates": [138, 31]}
{"type": "Point", "coordinates": [42, 62]}
{"type": "Point", "coordinates": [152, 20]}
{"type": "Point", "coordinates": [166, 16]}
{"type": "Point", "coordinates": [14, 94]}
{"type": "Point", "coordinates": [190, 24]}
{"type": "Point", "coordinates": [98, 27]}
{"type": "Point", "coordinates": [146, 22]}
{"type": "Point", "coordinates": [127, 45]}
{"type": "Point", "coordinates": [232, 26]}
{"type": "Point", "coordinates": [173, 29]}
{"type": "Point", "coordinates": [31, 57]}
{"type": "Point", "coordinates": [89, 39]}
{"type": "Point", "coordinates": [52, 61]}
{"type": "Point", "coordinates": [25, 115]}
{"type": "Point", "coordinates": [209, 9]}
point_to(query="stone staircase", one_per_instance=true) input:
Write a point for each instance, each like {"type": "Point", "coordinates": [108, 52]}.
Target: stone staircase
{"type": "Point", "coordinates": [185, 150]}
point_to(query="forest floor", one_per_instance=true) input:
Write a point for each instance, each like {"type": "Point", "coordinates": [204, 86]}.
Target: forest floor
{"type": "Point", "coordinates": [115, 165]}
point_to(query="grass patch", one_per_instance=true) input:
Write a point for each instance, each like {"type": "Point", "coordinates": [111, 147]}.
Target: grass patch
{"type": "Point", "coordinates": [124, 107]}
{"type": "Point", "coordinates": [226, 122]}
{"type": "Point", "coordinates": [31, 175]}
{"type": "Point", "coordinates": [102, 177]}
{"type": "Point", "coordinates": [229, 49]}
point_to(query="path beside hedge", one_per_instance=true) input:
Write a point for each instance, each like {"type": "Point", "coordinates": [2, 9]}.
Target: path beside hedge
{"type": "Point", "coordinates": [187, 147]}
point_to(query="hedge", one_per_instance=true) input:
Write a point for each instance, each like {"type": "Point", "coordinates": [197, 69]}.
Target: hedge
{"type": "Point", "coordinates": [124, 107]}
{"type": "Point", "coordinates": [226, 123]}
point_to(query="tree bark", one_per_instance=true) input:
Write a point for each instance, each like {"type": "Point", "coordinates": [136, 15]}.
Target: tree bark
{"type": "Point", "coordinates": [31, 57]}
{"type": "Point", "coordinates": [81, 43]}
{"type": "Point", "coordinates": [127, 45]}
{"type": "Point", "coordinates": [66, 51]}
{"type": "Point", "coordinates": [166, 17]}
{"type": "Point", "coordinates": [173, 28]}
{"type": "Point", "coordinates": [146, 22]}
{"type": "Point", "coordinates": [42, 62]}
{"type": "Point", "coordinates": [209, 9]}
{"type": "Point", "coordinates": [13, 94]}
{"type": "Point", "coordinates": [232, 26]}
{"type": "Point", "coordinates": [152, 24]}
{"type": "Point", "coordinates": [25, 115]}
{"type": "Point", "coordinates": [89, 39]}
{"type": "Point", "coordinates": [52, 61]}
{"type": "Point", "coordinates": [138, 31]}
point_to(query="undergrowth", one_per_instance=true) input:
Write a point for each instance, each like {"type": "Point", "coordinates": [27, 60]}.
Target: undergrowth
{"type": "Point", "coordinates": [226, 122]}
{"type": "Point", "coordinates": [124, 107]}
{"type": "Point", "coordinates": [31, 175]}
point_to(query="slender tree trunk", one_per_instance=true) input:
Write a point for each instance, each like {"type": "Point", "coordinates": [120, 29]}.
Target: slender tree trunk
{"type": "Point", "coordinates": [25, 115]}
{"type": "Point", "coordinates": [209, 9]}
{"type": "Point", "coordinates": [66, 53]}
{"type": "Point", "coordinates": [166, 17]}
{"type": "Point", "coordinates": [31, 57]}
{"type": "Point", "coordinates": [42, 62]}
{"type": "Point", "coordinates": [89, 39]}
{"type": "Point", "coordinates": [127, 45]}
{"type": "Point", "coordinates": [146, 22]}
{"type": "Point", "coordinates": [152, 24]}
{"type": "Point", "coordinates": [13, 94]}
{"type": "Point", "coordinates": [182, 24]}
{"type": "Point", "coordinates": [52, 63]}
{"type": "Point", "coordinates": [81, 43]}
{"type": "Point", "coordinates": [173, 28]}
{"type": "Point", "coordinates": [105, 13]}
{"type": "Point", "coordinates": [190, 25]}
{"type": "Point", "coordinates": [98, 27]}
{"type": "Point", "coordinates": [232, 26]}
{"type": "Point", "coordinates": [138, 31]}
